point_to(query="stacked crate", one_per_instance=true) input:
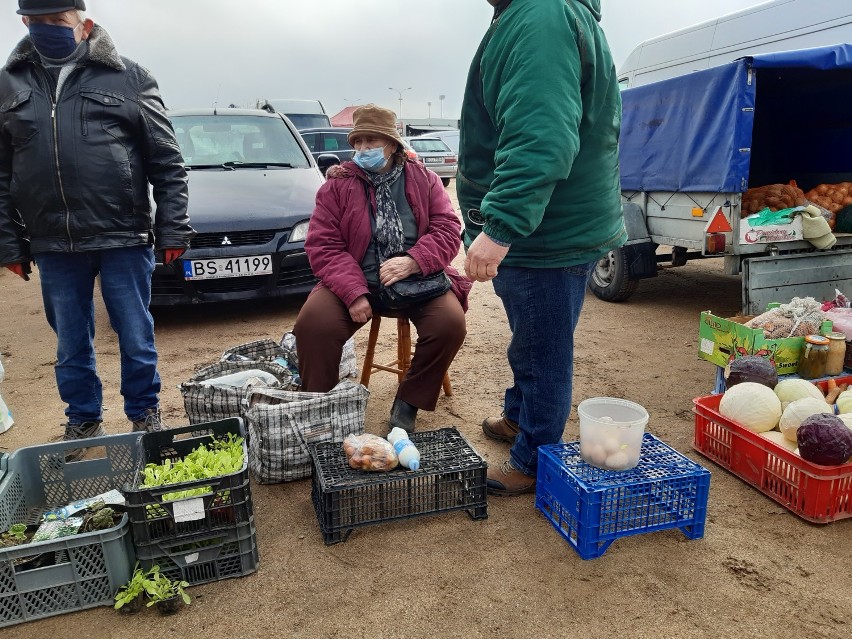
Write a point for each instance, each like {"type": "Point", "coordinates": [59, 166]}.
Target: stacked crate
{"type": "Point", "coordinates": [195, 539]}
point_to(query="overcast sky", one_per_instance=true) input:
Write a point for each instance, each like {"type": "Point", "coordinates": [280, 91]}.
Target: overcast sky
{"type": "Point", "coordinates": [339, 51]}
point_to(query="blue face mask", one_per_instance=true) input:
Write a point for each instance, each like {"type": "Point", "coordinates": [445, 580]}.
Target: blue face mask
{"type": "Point", "coordinates": [52, 40]}
{"type": "Point", "coordinates": [370, 159]}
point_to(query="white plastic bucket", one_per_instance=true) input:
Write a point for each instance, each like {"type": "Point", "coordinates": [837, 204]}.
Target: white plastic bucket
{"type": "Point", "coordinates": [611, 431]}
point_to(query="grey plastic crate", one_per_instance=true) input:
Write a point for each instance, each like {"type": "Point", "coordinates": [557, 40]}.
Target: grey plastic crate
{"type": "Point", "coordinates": [79, 571]}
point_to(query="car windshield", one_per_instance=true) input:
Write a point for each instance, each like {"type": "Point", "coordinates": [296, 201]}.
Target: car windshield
{"type": "Point", "coordinates": [249, 141]}
{"type": "Point", "coordinates": [430, 146]}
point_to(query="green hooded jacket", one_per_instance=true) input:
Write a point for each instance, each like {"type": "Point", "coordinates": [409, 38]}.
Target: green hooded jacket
{"type": "Point", "coordinates": [538, 156]}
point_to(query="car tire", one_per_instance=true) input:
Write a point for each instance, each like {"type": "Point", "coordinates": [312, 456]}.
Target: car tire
{"type": "Point", "coordinates": [610, 280]}
{"type": "Point", "coordinates": [445, 181]}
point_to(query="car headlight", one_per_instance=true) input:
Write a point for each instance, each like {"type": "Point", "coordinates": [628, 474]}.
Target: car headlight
{"type": "Point", "coordinates": [299, 232]}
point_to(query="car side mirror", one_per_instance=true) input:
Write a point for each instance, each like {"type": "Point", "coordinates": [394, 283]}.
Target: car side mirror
{"type": "Point", "coordinates": [326, 160]}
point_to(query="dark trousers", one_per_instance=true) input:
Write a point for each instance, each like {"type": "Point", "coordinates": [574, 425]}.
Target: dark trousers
{"type": "Point", "coordinates": [324, 325]}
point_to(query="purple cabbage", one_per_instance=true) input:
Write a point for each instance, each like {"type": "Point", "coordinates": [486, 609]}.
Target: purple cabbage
{"type": "Point", "coordinates": [751, 368]}
{"type": "Point", "coordinates": [824, 439]}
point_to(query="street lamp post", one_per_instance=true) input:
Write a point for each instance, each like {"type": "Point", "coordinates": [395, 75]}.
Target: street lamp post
{"type": "Point", "coordinates": [429, 105]}
{"type": "Point", "coordinates": [400, 92]}
{"type": "Point", "coordinates": [441, 98]}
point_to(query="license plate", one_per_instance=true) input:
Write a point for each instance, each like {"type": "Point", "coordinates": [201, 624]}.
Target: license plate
{"type": "Point", "coordinates": [227, 267]}
{"type": "Point", "coordinates": [434, 160]}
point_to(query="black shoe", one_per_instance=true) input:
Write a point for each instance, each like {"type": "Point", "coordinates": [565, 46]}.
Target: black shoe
{"type": "Point", "coordinates": [75, 432]}
{"type": "Point", "coordinates": [402, 415]}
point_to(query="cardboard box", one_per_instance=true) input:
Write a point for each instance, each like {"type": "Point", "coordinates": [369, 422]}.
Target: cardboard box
{"type": "Point", "coordinates": [771, 233]}
{"type": "Point", "coordinates": [721, 340]}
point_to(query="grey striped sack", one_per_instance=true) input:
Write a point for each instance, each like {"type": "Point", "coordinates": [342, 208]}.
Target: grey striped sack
{"type": "Point", "coordinates": [262, 350]}
{"type": "Point", "coordinates": [348, 359]}
{"type": "Point", "coordinates": [205, 403]}
{"type": "Point", "coordinates": [282, 423]}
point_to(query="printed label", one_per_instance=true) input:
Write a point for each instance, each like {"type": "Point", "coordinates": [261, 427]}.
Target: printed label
{"type": "Point", "coordinates": [189, 510]}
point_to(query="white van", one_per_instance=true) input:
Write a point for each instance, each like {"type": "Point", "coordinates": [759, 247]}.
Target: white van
{"type": "Point", "coordinates": [779, 25]}
{"type": "Point", "coordinates": [304, 114]}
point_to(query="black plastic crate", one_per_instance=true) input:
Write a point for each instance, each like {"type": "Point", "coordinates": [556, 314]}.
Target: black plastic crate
{"type": "Point", "coordinates": [204, 558]}
{"type": "Point", "coordinates": [226, 504]}
{"type": "Point", "coordinates": [451, 477]}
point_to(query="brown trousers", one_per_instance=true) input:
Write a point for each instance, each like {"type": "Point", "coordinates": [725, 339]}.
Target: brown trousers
{"type": "Point", "coordinates": [324, 325]}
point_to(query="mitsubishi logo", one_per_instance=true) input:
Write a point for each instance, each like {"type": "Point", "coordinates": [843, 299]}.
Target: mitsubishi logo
{"type": "Point", "coordinates": [226, 241]}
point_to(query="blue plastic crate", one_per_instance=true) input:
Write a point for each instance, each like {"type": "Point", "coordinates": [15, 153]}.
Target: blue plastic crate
{"type": "Point", "coordinates": [591, 507]}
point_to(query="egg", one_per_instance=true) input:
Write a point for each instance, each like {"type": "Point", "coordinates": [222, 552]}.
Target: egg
{"type": "Point", "coordinates": [617, 461]}
{"type": "Point", "coordinates": [595, 454]}
{"type": "Point", "coordinates": [611, 444]}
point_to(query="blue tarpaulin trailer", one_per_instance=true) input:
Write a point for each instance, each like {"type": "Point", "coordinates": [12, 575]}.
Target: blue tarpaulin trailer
{"type": "Point", "coordinates": [692, 145]}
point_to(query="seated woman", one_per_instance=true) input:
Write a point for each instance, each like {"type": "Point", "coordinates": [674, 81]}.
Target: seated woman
{"type": "Point", "coordinates": [381, 218]}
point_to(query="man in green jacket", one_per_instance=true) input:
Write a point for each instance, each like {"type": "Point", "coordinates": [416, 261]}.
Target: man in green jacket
{"type": "Point", "coordinates": [538, 186]}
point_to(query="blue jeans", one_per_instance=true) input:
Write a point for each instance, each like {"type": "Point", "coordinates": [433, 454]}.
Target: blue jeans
{"type": "Point", "coordinates": [67, 288]}
{"type": "Point", "coordinates": [543, 306]}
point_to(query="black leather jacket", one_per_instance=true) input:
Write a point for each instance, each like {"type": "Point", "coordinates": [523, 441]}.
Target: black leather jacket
{"type": "Point", "coordinates": [74, 176]}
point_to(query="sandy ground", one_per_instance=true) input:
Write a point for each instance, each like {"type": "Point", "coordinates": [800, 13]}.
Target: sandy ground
{"type": "Point", "coordinates": [758, 572]}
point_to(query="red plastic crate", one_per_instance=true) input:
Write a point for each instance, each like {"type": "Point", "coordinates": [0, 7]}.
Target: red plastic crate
{"type": "Point", "coordinates": [819, 494]}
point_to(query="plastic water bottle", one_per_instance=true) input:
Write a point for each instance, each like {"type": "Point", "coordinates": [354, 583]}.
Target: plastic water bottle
{"type": "Point", "coordinates": [405, 449]}
{"type": "Point", "coordinates": [6, 420]}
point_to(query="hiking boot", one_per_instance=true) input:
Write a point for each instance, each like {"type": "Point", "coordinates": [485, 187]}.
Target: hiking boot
{"type": "Point", "coordinates": [500, 428]}
{"type": "Point", "coordinates": [74, 432]}
{"type": "Point", "coordinates": [402, 415]}
{"type": "Point", "coordinates": [508, 481]}
{"type": "Point", "coordinates": [150, 423]}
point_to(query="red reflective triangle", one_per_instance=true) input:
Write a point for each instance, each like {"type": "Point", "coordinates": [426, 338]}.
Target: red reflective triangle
{"type": "Point", "coordinates": [719, 223]}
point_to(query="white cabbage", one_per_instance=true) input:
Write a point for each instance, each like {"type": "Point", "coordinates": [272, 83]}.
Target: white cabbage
{"type": "Point", "coordinates": [844, 402]}
{"type": "Point", "coordinates": [789, 390]}
{"type": "Point", "coordinates": [752, 405]}
{"type": "Point", "coordinates": [797, 411]}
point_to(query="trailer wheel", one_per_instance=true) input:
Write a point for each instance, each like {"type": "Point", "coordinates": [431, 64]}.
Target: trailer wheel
{"type": "Point", "coordinates": [610, 280]}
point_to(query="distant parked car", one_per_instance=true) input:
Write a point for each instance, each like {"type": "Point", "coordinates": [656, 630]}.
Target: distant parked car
{"type": "Point", "coordinates": [451, 137]}
{"type": "Point", "coordinates": [436, 155]}
{"type": "Point", "coordinates": [331, 140]}
{"type": "Point", "coordinates": [335, 141]}
{"type": "Point", "coordinates": [304, 114]}
{"type": "Point", "coordinates": [252, 184]}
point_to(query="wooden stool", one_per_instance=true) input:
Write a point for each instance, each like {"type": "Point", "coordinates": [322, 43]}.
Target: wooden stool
{"type": "Point", "coordinates": [402, 362]}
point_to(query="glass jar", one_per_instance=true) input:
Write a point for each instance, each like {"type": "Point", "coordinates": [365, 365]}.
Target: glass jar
{"type": "Point", "coordinates": [836, 353]}
{"type": "Point", "coordinates": [814, 356]}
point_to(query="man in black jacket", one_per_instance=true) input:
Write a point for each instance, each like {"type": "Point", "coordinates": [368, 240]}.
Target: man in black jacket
{"type": "Point", "coordinates": [83, 131]}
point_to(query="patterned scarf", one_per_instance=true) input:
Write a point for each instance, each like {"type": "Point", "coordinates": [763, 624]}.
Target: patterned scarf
{"type": "Point", "coordinates": [389, 235]}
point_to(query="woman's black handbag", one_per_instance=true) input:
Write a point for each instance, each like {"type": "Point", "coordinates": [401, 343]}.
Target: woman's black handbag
{"type": "Point", "coordinates": [413, 290]}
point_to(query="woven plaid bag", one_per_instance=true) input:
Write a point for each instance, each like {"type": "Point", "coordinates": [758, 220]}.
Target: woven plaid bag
{"type": "Point", "coordinates": [261, 350]}
{"type": "Point", "coordinates": [205, 403]}
{"type": "Point", "coordinates": [282, 423]}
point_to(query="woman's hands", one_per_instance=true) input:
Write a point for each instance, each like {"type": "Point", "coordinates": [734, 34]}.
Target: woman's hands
{"type": "Point", "coordinates": [360, 310]}
{"type": "Point", "coordinates": [396, 269]}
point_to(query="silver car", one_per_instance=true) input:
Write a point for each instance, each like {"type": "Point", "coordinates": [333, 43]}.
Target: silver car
{"type": "Point", "coordinates": [435, 155]}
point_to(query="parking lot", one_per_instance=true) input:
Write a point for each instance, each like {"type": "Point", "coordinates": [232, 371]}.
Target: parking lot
{"type": "Point", "coordinates": [759, 571]}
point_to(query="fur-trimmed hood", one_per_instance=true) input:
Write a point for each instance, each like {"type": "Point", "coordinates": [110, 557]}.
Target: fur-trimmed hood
{"type": "Point", "coordinates": [101, 51]}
